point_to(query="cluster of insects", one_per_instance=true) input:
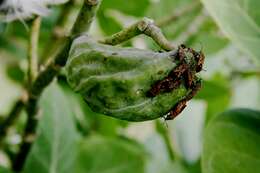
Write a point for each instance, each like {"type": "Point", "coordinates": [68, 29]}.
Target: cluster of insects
{"type": "Point", "coordinates": [183, 73]}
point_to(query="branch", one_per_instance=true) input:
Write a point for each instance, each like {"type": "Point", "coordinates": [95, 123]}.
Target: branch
{"type": "Point", "coordinates": [145, 26]}
{"type": "Point", "coordinates": [11, 117]}
{"type": "Point", "coordinates": [164, 132]}
{"type": "Point", "coordinates": [178, 14]}
{"type": "Point", "coordinates": [32, 50]}
{"type": "Point", "coordinates": [45, 77]}
{"type": "Point", "coordinates": [85, 17]}
{"type": "Point", "coordinates": [60, 31]}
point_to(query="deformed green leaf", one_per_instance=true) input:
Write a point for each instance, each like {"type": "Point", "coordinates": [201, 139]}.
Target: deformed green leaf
{"type": "Point", "coordinates": [54, 150]}
{"type": "Point", "coordinates": [231, 143]}
{"type": "Point", "coordinates": [240, 21]}
{"type": "Point", "coordinates": [88, 120]}
{"type": "Point", "coordinates": [99, 154]}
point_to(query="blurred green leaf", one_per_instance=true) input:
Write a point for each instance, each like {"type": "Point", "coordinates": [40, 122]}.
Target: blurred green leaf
{"type": "Point", "coordinates": [213, 89]}
{"type": "Point", "coordinates": [133, 7]}
{"type": "Point", "coordinates": [2, 27]}
{"type": "Point", "coordinates": [17, 29]}
{"type": "Point", "coordinates": [4, 170]}
{"type": "Point", "coordinates": [240, 21]}
{"type": "Point", "coordinates": [231, 143]}
{"type": "Point", "coordinates": [165, 8]}
{"type": "Point", "coordinates": [99, 154]}
{"type": "Point", "coordinates": [55, 148]}
{"type": "Point", "coordinates": [216, 106]}
{"type": "Point", "coordinates": [12, 46]}
{"type": "Point", "coordinates": [208, 38]}
{"type": "Point", "coordinates": [217, 93]}
{"type": "Point", "coordinates": [175, 167]}
{"type": "Point", "coordinates": [15, 72]}
{"type": "Point", "coordinates": [108, 24]}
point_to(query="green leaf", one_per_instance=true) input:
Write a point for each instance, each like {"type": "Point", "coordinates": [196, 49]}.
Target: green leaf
{"type": "Point", "coordinates": [15, 72]}
{"type": "Point", "coordinates": [240, 21]}
{"type": "Point", "coordinates": [133, 7]}
{"type": "Point", "coordinates": [216, 106]}
{"type": "Point", "coordinates": [4, 170]}
{"type": "Point", "coordinates": [214, 88]}
{"type": "Point", "coordinates": [217, 93]}
{"type": "Point", "coordinates": [54, 150]}
{"type": "Point", "coordinates": [208, 38]}
{"type": "Point", "coordinates": [231, 143]}
{"type": "Point", "coordinates": [159, 10]}
{"type": "Point", "coordinates": [99, 154]}
{"type": "Point", "coordinates": [108, 24]}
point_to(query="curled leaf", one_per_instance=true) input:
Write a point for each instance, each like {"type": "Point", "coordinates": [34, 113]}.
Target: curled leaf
{"type": "Point", "coordinates": [133, 84]}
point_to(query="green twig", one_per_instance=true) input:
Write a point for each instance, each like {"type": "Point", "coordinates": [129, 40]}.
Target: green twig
{"type": "Point", "coordinates": [11, 117]}
{"type": "Point", "coordinates": [60, 31]}
{"type": "Point", "coordinates": [145, 26]}
{"type": "Point", "coordinates": [45, 77]}
{"type": "Point", "coordinates": [85, 17]}
{"type": "Point", "coordinates": [32, 50]}
{"type": "Point", "coordinates": [164, 132]}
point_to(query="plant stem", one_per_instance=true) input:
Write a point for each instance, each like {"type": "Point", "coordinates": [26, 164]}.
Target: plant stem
{"type": "Point", "coordinates": [45, 77]}
{"type": "Point", "coordinates": [163, 131]}
{"type": "Point", "coordinates": [178, 14]}
{"type": "Point", "coordinates": [145, 26]}
{"type": "Point", "coordinates": [33, 49]}
{"type": "Point", "coordinates": [60, 31]}
{"type": "Point", "coordinates": [11, 117]}
{"type": "Point", "coordinates": [85, 18]}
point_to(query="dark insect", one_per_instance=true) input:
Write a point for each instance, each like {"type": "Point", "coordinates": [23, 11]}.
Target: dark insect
{"type": "Point", "coordinates": [178, 71]}
{"type": "Point", "coordinates": [165, 85]}
{"type": "Point", "coordinates": [178, 108]}
{"type": "Point", "coordinates": [200, 58]}
{"type": "Point", "coordinates": [194, 89]}
{"type": "Point", "coordinates": [182, 71]}
{"type": "Point", "coordinates": [188, 78]}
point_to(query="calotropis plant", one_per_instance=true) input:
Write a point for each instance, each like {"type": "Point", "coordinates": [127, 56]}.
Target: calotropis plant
{"type": "Point", "coordinates": [133, 84]}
